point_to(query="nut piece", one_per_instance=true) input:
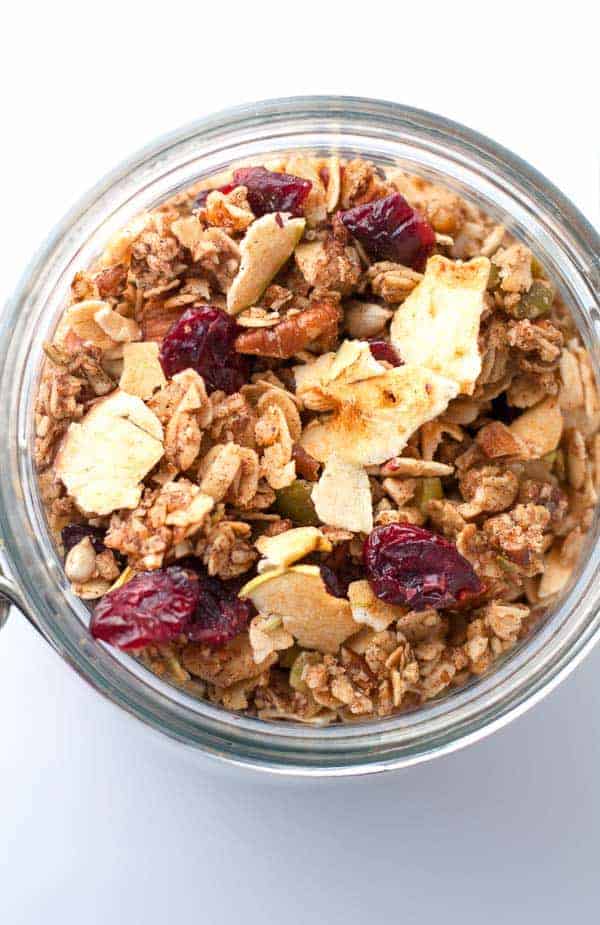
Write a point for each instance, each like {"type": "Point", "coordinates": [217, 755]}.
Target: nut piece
{"type": "Point", "coordinates": [268, 243]}
{"type": "Point", "coordinates": [142, 373]}
{"type": "Point", "coordinates": [80, 563]}
{"type": "Point", "coordinates": [289, 547]}
{"type": "Point", "coordinates": [105, 456]}
{"type": "Point", "coordinates": [365, 319]}
{"type": "Point", "coordinates": [368, 609]}
{"type": "Point", "coordinates": [438, 324]}
{"type": "Point", "coordinates": [374, 419]}
{"type": "Point", "coordinates": [298, 595]}
{"type": "Point", "coordinates": [292, 334]}
{"type": "Point", "coordinates": [539, 428]}
{"type": "Point", "coordinates": [406, 467]}
{"type": "Point", "coordinates": [342, 496]}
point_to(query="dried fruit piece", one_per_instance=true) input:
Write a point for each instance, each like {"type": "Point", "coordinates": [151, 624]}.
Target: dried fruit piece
{"type": "Point", "coordinates": [382, 350]}
{"type": "Point", "coordinates": [73, 534]}
{"type": "Point", "coordinates": [294, 501]}
{"type": "Point", "coordinates": [220, 614]}
{"type": "Point", "coordinates": [105, 456]}
{"type": "Point", "coordinates": [374, 419]}
{"type": "Point", "coordinates": [368, 609]}
{"type": "Point", "coordinates": [153, 607]}
{"type": "Point", "coordinates": [339, 570]}
{"type": "Point", "coordinates": [142, 373]}
{"type": "Point", "coordinates": [409, 565]}
{"type": "Point", "coordinates": [298, 595]}
{"type": "Point", "coordinates": [438, 324]}
{"type": "Point", "coordinates": [203, 340]}
{"type": "Point", "coordinates": [268, 191]}
{"type": "Point", "coordinates": [273, 192]}
{"type": "Point", "coordinates": [390, 229]}
{"type": "Point", "coordinates": [290, 546]}
{"type": "Point", "coordinates": [342, 496]}
{"type": "Point", "coordinates": [266, 246]}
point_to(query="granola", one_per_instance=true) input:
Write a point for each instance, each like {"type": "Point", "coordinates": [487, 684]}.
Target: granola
{"type": "Point", "coordinates": [319, 440]}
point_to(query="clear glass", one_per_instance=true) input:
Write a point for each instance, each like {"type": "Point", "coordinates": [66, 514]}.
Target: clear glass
{"type": "Point", "coordinates": [424, 143]}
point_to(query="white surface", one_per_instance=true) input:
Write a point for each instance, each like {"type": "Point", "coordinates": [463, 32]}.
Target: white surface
{"type": "Point", "coordinates": [101, 822]}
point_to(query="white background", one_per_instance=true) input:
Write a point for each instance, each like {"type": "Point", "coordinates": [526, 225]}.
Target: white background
{"type": "Point", "coordinates": [102, 822]}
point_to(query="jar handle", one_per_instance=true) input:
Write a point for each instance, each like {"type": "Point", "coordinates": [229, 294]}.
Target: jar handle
{"type": "Point", "coordinates": [10, 594]}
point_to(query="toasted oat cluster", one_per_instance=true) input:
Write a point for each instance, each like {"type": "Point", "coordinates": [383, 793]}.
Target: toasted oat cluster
{"type": "Point", "coordinates": [317, 440]}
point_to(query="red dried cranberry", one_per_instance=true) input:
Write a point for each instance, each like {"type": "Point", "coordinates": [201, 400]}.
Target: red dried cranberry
{"type": "Point", "coordinates": [339, 569]}
{"type": "Point", "coordinates": [409, 565]}
{"type": "Point", "coordinates": [273, 192]}
{"type": "Point", "coordinates": [153, 607]}
{"type": "Point", "coordinates": [382, 350]}
{"type": "Point", "coordinates": [220, 614]}
{"type": "Point", "coordinates": [390, 229]}
{"type": "Point", "coordinates": [203, 339]}
{"type": "Point", "coordinates": [73, 534]}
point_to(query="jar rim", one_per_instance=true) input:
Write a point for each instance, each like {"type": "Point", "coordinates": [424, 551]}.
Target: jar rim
{"type": "Point", "coordinates": [375, 128]}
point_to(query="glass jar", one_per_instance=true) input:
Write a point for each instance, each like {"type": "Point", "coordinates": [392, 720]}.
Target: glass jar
{"type": "Point", "coordinates": [475, 167]}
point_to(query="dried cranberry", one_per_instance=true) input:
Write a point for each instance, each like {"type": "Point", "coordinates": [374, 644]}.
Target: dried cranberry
{"type": "Point", "coordinates": [273, 192]}
{"type": "Point", "coordinates": [409, 565]}
{"type": "Point", "coordinates": [73, 534]}
{"type": "Point", "coordinates": [382, 350]}
{"type": "Point", "coordinates": [267, 191]}
{"type": "Point", "coordinates": [153, 607]}
{"type": "Point", "coordinates": [203, 339]}
{"type": "Point", "coordinates": [390, 229]}
{"type": "Point", "coordinates": [339, 570]}
{"type": "Point", "coordinates": [220, 614]}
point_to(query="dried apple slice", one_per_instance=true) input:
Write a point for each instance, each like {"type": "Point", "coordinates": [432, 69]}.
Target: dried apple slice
{"type": "Point", "coordinates": [374, 418]}
{"type": "Point", "coordinates": [289, 547]}
{"type": "Point", "coordinates": [105, 456]}
{"type": "Point", "coordinates": [142, 373]}
{"type": "Point", "coordinates": [266, 246]}
{"type": "Point", "coordinates": [298, 595]}
{"type": "Point", "coordinates": [437, 326]}
{"type": "Point", "coordinates": [342, 496]}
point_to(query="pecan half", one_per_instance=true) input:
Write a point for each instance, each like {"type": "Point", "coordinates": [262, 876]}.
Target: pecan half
{"type": "Point", "coordinates": [293, 333]}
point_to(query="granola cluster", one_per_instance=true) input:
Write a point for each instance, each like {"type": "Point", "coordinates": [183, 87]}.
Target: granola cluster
{"type": "Point", "coordinates": [315, 386]}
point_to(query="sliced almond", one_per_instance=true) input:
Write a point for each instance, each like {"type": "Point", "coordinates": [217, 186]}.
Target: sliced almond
{"type": "Point", "coordinates": [342, 496]}
{"type": "Point", "coordinates": [334, 183]}
{"type": "Point", "coordinates": [289, 547]}
{"type": "Point", "coordinates": [266, 246]}
{"type": "Point", "coordinates": [404, 466]}
{"type": "Point", "coordinates": [374, 419]}
{"type": "Point", "coordinates": [369, 610]}
{"type": "Point", "coordinates": [298, 595]}
{"type": "Point", "coordinates": [437, 326]}
{"type": "Point", "coordinates": [142, 373]}
{"type": "Point", "coordinates": [539, 428]}
{"type": "Point", "coordinates": [105, 456]}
